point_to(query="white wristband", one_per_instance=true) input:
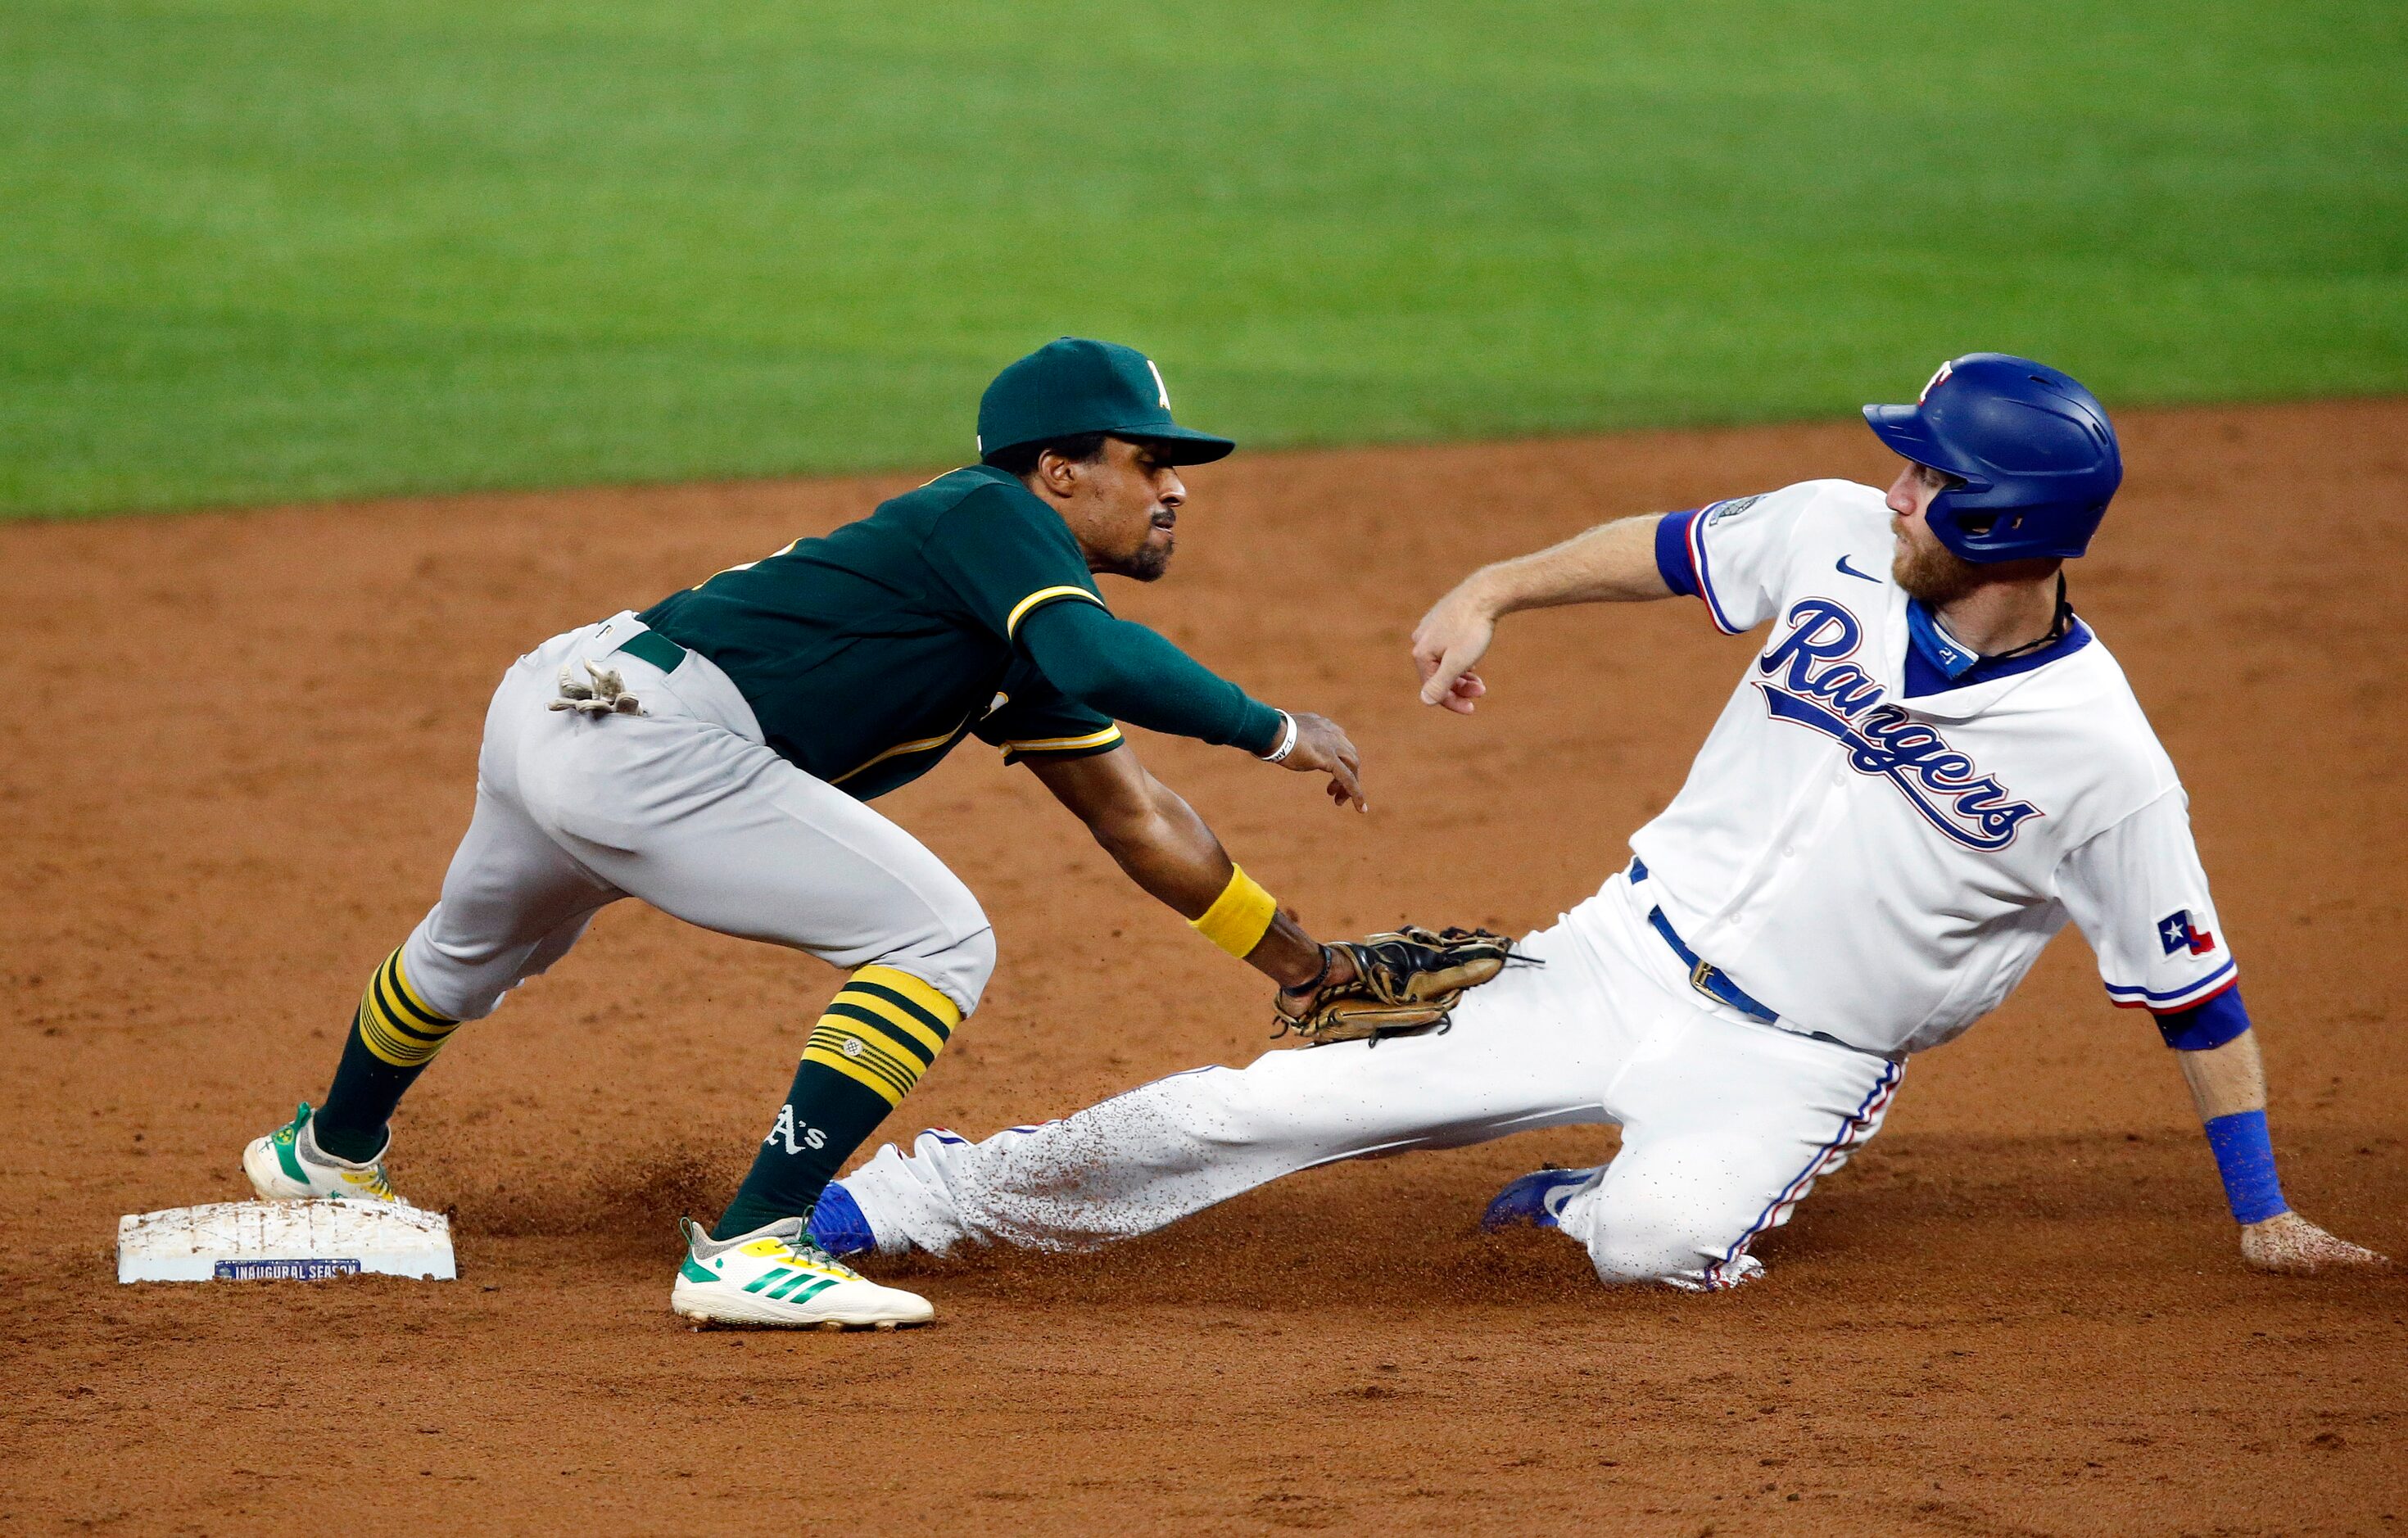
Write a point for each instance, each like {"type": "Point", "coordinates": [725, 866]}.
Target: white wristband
{"type": "Point", "coordinates": [1287, 742]}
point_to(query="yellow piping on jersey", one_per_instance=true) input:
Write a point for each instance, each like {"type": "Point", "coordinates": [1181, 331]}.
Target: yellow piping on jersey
{"type": "Point", "coordinates": [746, 565]}
{"type": "Point", "coordinates": [1063, 744]}
{"type": "Point", "coordinates": [1011, 624]}
{"type": "Point", "coordinates": [923, 744]}
{"type": "Point", "coordinates": [1044, 595]}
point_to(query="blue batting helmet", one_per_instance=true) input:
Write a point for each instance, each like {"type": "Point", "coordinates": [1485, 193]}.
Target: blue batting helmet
{"type": "Point", "coordinates": [2035, 450]}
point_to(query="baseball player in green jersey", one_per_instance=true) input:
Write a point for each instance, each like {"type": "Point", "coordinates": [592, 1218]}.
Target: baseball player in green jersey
{"type": "Point", "coordinates": [714, 756]}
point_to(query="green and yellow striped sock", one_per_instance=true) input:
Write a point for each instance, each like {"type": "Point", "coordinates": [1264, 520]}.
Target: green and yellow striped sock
{"type": "Point", "coordinates": [394, 1036]}
{"type": "Point", "coordinates": [881, 1031]}
{"type": "Point", "coordinates": [395, 1024]}
{"type": "Point", "coordinates": [879, 1034]}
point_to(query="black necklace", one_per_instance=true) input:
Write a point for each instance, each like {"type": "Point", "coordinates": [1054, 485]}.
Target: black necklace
{"type": "Point", "coordinates": [2057, 626]}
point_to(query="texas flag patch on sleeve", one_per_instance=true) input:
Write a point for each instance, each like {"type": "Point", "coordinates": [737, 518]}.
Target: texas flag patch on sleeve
{"type": "Point", "coordinates": [2175, 933]}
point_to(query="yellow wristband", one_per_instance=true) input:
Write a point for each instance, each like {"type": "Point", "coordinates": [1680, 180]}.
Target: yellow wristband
{"type": "Point", "coordinates": [1239, 916]}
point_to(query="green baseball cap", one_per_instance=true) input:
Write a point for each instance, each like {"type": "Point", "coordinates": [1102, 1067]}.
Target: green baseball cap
{"type": "Point", "coordinates": [1075, 385]}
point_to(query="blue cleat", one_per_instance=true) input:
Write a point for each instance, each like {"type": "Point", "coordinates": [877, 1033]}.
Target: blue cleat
{"type": "Point", "coordinates": [1536, 1199]}
{"type": "Point", "coordinates": [837, 1225]}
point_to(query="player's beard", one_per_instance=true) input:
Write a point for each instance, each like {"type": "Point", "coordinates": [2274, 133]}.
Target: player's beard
{"type": "Point", "coordinates": [1934, 573]}
{"type": "Point", "coordinates": [1939, 576]}
{"type": "Point", "coordinates": [1148, 562]}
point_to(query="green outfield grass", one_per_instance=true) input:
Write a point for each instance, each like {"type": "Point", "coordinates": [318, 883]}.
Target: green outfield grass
{"type": "Point", "coordinates": [253, 250]}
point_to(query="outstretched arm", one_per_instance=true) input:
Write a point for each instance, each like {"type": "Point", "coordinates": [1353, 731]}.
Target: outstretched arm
{"type": "Point", "coordinates": [1134, 674]}
{"type": "Point", "coordinates": [1613, 563]}
{"type": "Point", "coordinates": [2228, 1084]}
{"type": "Point", "coordinates": [1167, 849]}
{"type": "Point", "coordinates": [2137, 890]}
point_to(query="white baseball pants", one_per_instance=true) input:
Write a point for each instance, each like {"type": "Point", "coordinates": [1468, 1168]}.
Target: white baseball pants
{"type": "Point", "coordinates": [683, 808]}
{"type": "Point", "coordinates": [1726, 1123]}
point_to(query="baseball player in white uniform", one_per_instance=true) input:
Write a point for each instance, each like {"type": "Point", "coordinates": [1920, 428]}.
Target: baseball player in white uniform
{"type": "Point", "coordinates": [1930, 766]}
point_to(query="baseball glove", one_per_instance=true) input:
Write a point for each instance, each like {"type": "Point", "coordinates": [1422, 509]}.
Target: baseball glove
{"type": "Point", "coordinates": [1407, 980]}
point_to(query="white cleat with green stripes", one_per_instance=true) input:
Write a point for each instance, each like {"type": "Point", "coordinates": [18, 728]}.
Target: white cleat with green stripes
{"type": "Point", "coordinates": [287, 1165]}
{"type": "Point", "coordinates": [776, 1277]}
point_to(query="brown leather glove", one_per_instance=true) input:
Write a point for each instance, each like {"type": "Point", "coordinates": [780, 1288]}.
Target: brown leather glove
{"type": "Point", "coordinates": [1406, 979]}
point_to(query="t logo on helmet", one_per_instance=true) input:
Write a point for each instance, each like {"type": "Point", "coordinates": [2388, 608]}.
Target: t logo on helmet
{"type": "Point", "coordinates": [2033, 448]}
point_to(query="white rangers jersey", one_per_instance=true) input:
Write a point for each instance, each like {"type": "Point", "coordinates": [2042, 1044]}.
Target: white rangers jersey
{"type": "Point", "coordinates": [1877, 849]}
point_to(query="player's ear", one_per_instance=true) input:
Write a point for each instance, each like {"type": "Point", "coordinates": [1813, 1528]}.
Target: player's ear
{"type": "Point", "coordinates": [1058, 472]}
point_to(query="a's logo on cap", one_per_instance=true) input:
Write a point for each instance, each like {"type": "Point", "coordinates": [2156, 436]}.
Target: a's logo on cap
{"type": "Point", "coordinates": [1161, 391]}
{"type": "Point", "coordinates": [1936, 381]}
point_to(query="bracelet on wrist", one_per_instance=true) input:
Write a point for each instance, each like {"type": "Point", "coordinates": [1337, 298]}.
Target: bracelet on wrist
{"type": "Point", "coordinates": [1287, 744]}
{"type": "Point", "coordinates": [1300, 989]}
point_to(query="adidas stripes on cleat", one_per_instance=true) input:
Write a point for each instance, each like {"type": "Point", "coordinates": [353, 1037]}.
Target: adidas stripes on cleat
{"type": "Point", "coordinates": [776, 1277]}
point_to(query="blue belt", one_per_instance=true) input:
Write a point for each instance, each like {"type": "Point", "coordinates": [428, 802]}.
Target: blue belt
{"type": "Point", "coordinates": [1704, 975]}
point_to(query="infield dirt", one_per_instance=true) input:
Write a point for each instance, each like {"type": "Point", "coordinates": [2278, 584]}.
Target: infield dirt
{"type": "Point", "coordinates": [238, 749]}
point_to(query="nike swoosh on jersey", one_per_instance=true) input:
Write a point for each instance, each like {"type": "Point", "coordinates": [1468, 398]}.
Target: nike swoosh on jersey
{"type": "Point", "coordinates": [1847, 570]}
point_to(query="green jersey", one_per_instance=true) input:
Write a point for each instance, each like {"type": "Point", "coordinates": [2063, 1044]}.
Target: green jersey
{"type": "Point", "coordinates": [866, 654]}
